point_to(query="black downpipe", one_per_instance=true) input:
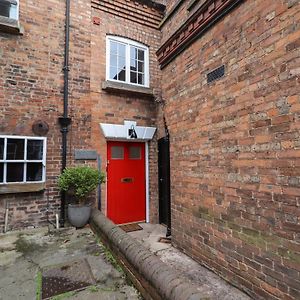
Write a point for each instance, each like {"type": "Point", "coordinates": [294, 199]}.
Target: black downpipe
{"type": "Point", "coordinates": [99, 186]}
{"type": "Point", "coordinates": [65, 121]}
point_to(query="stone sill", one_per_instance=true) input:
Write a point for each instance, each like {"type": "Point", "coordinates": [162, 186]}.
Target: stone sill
{"type": "Point", "coordinates": [124, 88]}
{"type": "Point", "coordinates": [10, 26]}
{"type": "Point", "coordinates": [13, 188]}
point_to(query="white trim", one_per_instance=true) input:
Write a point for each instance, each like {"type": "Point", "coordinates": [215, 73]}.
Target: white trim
{"type": "Point", "coordinates": [128, 43]}
{"type": "Point", "coordinates": [4, 158]}
{"type": "Point", "coordinates": [18, 9]}
{"type": "Point", "coordinates": [25, 161]}
{"type": "Point", "coordinates": [147, 182]}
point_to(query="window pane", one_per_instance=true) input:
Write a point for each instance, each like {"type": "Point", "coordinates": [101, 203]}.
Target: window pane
{"type": "Point", "coordinates": [113, 61]}
{"type": "Point", "coordinates": [113, 73]}
{"type": "Point", "coordinates": [121, 50]}
{"type": "Point", "coordinates": [4, 8]}
{"type": "Point", "coordinates": [14, 172]}
{"type": "Point", "coordinates": [135, 152]}
{"type": "Point", "coordinates": [15, 149]}
{"type": "Point", "coordinates": [1, 172]}
{"type": "Point", "coordinates": [133, 65]}
{"type": "Point", "coordinates": [133, 53]}
{"type": "Point", "coordinates": [133, 77]}
{"type": "Point", "coordinates": [117, 152]}
{"type": "Point", "coordinates": [1, 148]}
{"type": "Point", "coordinates": [13, 14]}
{"type": "Point", "coordinates": [140, 78]}
{"type": "Point", "coordinates": [121, 62]}
{"type": "Point", "coordinates": [122, 75]}
{"type": "Point", "coordinates": [113, 47]}
{"type": "Point", "coordinates": [34, 150]}
{"type": "Point", "coordinates": [34, 172]}
{"type": "Point", "coordinates": [141, 67]}
{"type": "Point", "coordinates": [141, 55]}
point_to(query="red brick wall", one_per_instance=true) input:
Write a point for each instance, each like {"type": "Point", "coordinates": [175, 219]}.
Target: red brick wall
{"type": "Point", "coordinates": [31, 85]}
{"type": "Point", "coordinates": [113, 108]}
{"type": "Point", "coordinates": [235, 148]}
{"type": "Point", "coordinates": [176, 14]}
{"type": "Point", "coordinates": [30, 89]}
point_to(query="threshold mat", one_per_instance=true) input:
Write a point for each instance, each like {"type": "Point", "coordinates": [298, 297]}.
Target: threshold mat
{"type": "Point", "coordinates": [165, 240]}
{"type": "Point", "coordinates": [131, 227]}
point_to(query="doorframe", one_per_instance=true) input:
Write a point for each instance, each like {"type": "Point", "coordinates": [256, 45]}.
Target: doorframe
{"type": "Point", "coordinates": [147, 178]}
{"type": "Point", "coordinates": [164, 141]}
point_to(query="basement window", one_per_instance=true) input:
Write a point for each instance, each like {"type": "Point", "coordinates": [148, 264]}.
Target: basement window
{"type": "Point", "coordinates": [127, 61]}
{"type": "Point", "coordinates": [22, 160]}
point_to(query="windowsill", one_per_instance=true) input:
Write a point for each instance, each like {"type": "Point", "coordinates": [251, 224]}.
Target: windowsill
{"type": "Point", "coordinates": [13, 188]}
{"type": "Point", "coordinates": [125, 88]}
{"type": "Point", "coordinates": [11, 26]}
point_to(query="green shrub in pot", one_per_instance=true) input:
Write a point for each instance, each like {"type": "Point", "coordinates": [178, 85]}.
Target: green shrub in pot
{"type": "Point", "coordinates": [78, 182]}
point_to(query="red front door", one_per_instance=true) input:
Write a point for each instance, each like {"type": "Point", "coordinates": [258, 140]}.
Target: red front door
{"type": "Point", "coordinates": [126, 182]}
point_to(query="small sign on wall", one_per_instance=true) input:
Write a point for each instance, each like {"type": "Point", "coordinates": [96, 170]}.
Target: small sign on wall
{"type": "Point", "coordinates": [85, 154]}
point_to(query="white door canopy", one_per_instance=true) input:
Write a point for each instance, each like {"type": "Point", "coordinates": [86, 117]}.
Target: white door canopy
{"type": "Point", "coordinates": [128, 131]}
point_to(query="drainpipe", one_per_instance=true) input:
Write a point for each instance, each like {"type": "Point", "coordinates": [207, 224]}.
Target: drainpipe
{"type": "Point", "coordinates": [65, 121]}
{"type": "Point", "coordinates": [99, 186]}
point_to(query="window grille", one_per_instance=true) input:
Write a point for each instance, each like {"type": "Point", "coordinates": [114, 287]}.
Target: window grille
{"type": "Point", "coordinates": [216, 74]}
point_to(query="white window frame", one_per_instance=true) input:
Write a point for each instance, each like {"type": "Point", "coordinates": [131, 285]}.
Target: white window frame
{"type": "Point", "coordinates": [127, 43]}
{"type": "Point", "coordinates": [24, 160]}
{"type": "Point", "coordinates": [16, 16]}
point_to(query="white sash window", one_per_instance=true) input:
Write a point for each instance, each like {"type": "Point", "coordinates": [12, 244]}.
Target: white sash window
{"type": "Point", "coordinates": [127, 61]}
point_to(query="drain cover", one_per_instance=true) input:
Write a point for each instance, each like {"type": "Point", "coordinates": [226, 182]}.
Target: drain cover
{"type": "Point", "coordinates": [72, 276]}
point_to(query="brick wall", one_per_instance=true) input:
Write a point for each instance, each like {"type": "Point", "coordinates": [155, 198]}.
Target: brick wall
{"type": "Point", "coordinates": [235, 148]}
{"type": "Point", "coordinates": [31, 88]}
{"type": "Point", "coordinates": [113, 107]}
{"type": "Point", "coordinates": [176, 14]}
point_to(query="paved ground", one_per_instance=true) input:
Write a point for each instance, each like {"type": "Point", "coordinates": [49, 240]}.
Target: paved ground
{"type": "Point", "coordinates": [25, 255]}
{"type": "Point", "coordinates": [208, 282]}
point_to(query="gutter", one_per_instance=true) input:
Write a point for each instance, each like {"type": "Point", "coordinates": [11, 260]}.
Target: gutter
{"type": "Point", "coordinates": [65, 121]}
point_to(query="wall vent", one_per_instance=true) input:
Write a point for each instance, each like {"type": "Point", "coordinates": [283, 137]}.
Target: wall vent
{"type": "Point", "coordinates": [216, 74]}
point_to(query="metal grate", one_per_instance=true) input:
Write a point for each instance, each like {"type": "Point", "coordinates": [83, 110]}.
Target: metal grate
{"type": "Point", "coordinates": [73, 276]}
{"type": "Point", "coordinates": [216, 74]}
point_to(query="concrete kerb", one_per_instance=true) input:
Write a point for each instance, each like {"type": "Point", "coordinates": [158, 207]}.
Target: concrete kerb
{"type": "Point", "coordinates": [155, 273]}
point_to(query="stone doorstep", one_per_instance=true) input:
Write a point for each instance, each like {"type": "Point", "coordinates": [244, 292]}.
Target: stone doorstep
{"type": "Point", "coordinates": [152, 277]}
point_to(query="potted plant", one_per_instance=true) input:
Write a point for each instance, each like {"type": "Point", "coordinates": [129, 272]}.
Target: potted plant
{"type": "Point", "coordinates": [78, 182]}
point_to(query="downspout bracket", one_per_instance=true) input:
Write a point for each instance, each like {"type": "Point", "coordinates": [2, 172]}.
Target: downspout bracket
{"type": "Point", "coordinates": [64, 121]}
